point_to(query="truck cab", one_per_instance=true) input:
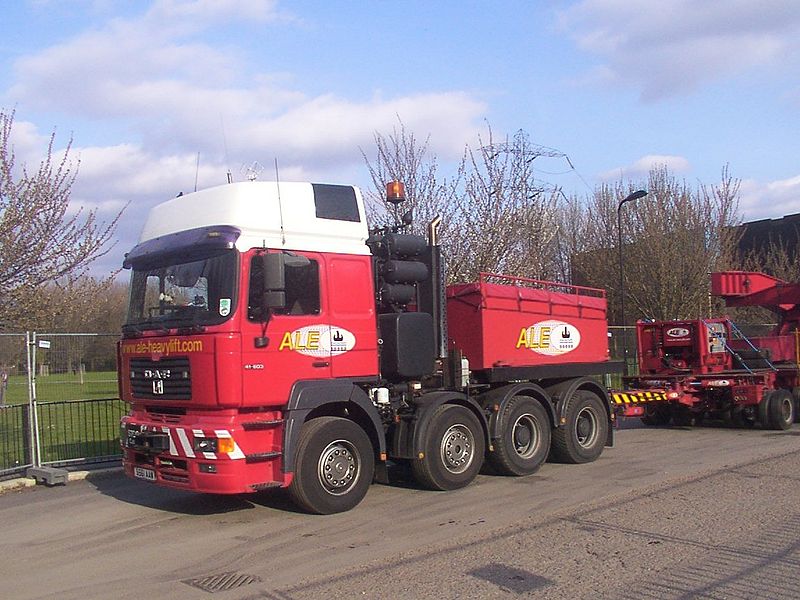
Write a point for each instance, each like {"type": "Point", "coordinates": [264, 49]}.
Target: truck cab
{"type": "Point", "coordinates": [237, 293]}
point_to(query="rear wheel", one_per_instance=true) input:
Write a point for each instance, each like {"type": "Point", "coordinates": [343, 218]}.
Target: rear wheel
{"type": "Point", "coordinates": [334, 468]}
{"type": "Point", "coordinates": [453, 449]}
{"type": "Point", "coordinates": [525, 437]}
{"type": "Point", "coordinates": [582, 438]}
{"type": "Point", "coordinates": [779, 409]}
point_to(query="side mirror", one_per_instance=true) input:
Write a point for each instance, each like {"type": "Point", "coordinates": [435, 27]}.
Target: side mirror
{"type": "Point", "coordinates": [274, 280]}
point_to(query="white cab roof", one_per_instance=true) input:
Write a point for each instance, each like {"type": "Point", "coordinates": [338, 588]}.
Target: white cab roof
{"type": "Point", "coordinates": [305, 216]}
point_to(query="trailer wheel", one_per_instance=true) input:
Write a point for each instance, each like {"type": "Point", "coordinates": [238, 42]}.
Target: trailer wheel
{"type": "Point", "coordinates": [796, 396]}
{"type": "Point", "coordinates": [744, 416]}
{"type": "Point", "coordinates": [780, 409]}
{"type": "Point", "coordinates": [682, 416]}
{"type": "Point", "coordinates": [334, 468]}
{"type": "Point", "coordinates": [525, 438]}
{"type": "Point", "coordinates": [582, 437]}
{"type": "Point", "coordinates": [656, 414]}
{"type": "Point", "coordinates": [452, 450]}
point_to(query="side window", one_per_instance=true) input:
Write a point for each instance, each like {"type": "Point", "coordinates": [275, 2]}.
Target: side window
{"type": "Point", "coordinates": [256, 290]}
{"type": "Point", "coordinates": [302, 289]}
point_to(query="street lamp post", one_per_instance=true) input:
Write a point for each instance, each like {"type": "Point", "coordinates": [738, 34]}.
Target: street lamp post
{"type": "Point", "coordinates": [630, 197]}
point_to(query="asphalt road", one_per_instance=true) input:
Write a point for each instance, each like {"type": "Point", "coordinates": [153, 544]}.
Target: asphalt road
{"type": "Point", "coordinates": [667, 513]}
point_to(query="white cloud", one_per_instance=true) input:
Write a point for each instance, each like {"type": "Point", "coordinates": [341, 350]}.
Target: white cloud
{"type": "Point", "coordinates": [641, 168]}
{"type": "Point", "coordinates": [769, 200]}
{"type": "Point", "coordinates": [173, 94]}
{"type": "Point", "coordinates": [672, 47]}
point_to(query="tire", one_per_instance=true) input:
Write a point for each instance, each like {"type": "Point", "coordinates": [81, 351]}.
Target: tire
{"type": "Point", "coordinates": [796, 396]}
{"type": "Point", "coordinates": [779, 410]}
{"type": "Point", "coordinates": [682, 416]}
{"type": "Point", "coordinates": [334, 468]}
{"type": "Point", "coordinates": [582, 438]}
{"type": "Point", "coordinates": [744, 416]}
{"type": "Point", "coordinates": [656, 414]}
{"type": "Point", "coordinates": [453, 449]}
{"type": "Point", "coordinates": [524, 440]}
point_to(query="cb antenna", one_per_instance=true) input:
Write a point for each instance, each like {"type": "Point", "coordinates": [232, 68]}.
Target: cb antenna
{"type": "Point", "coordinates": [196, 171]}
{"type": "Point", "coordinates": [280, 207]}
{"type": "Point", "coordinates": [229, 175]}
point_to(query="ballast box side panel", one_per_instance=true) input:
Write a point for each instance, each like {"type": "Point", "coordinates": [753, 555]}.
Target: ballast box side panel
{"type": "Point", "coordinates": [499, 325]}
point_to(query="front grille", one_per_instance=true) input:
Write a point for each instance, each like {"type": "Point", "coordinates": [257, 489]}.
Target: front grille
{"type": "Point", "coordinates": [165, 414]}
{"type": "Point", "coordinates": [165, 379]}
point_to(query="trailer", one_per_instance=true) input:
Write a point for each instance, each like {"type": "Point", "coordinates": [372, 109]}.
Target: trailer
{"type": "Point", "coordinates": [274, 341]}
{"type": "Point", "coordinates": [690, 370]}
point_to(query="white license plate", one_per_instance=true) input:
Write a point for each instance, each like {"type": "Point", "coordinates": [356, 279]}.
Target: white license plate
{"type": "Point", "coordinates": [144, 473]}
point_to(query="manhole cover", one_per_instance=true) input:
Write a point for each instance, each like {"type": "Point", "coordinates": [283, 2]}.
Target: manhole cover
{"type": "Point", "coordinates": [222, 582]}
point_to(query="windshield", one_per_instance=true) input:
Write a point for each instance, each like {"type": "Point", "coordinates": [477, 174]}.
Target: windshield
{"type": "Point", "coordinates": [182, 292]}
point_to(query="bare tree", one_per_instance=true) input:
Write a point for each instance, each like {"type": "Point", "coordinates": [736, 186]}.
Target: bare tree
{"type": "Point", "coordinates": [498, 217]}
{"type": "Point", "coordinates": [82, 305]}
{"type": "Point", "coordinates": [672, 239]}
{"type": "Point", "coordinates": [41, 241]}
{"type": "Point", "coordinates": [507, 217]}
{"type": "Point", "coordinates": [401, 157]}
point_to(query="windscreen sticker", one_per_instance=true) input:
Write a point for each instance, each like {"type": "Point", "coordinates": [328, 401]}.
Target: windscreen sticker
{"type": "Point", "coordinates": [550, 338]}
{"type": "Point", "coordinates": [224, 307]}
{"type": "Point", "coordinates": [320, 341]}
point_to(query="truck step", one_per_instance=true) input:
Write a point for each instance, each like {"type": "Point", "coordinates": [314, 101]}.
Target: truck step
{"type": "Point", "coordinates": [261, 456]}
{"type": "Point", "coordinates": [265, 485]}
{"type": "Point", "coordinates": [258, 425]}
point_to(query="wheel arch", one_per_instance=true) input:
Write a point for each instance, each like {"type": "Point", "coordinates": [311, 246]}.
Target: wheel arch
{"type": "Point", "coordinates": [495, 400]}
{"type": "Point", "coordinates": [412, 445]}
{"type": "Point", "coordinates": [326, 397]}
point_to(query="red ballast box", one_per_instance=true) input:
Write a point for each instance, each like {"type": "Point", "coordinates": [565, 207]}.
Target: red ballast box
{"type": "Point", "coordinates": [503, 321]}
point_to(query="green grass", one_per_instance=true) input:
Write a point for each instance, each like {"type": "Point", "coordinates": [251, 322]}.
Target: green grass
{"type": "Point", "coordinates": [63, 386]}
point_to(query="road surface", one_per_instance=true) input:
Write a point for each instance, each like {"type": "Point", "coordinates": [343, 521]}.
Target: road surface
{"type": "Point", "coordinates": [667, 513]}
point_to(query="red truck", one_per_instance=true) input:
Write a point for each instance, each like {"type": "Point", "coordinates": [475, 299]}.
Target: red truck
{"type": "Point", "coordinates": [694, 369]}
{"type": "Point", "coordinates": [274, 341]}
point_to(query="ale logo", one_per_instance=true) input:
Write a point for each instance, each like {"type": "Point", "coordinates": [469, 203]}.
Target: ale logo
{"type": "Point", "coordinates": [677, 332]}
{"type": "Point", "coordinates": [550, 338]}
{"type": "Point", "coordinates": [320, 341]}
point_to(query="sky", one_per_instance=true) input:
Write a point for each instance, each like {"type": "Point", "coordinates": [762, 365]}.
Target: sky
{"type": "Point", "coordinates": [159, 97]}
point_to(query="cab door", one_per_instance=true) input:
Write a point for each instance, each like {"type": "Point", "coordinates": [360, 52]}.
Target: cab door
{"type": "Point", "coordinates": [291, 342]}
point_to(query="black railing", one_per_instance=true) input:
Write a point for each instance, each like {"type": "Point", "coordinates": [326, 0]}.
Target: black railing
{"type": "Point", "coordinates": [16, 452]}
{"type": "Point", "coordinates": [65, 432]}
{"type": "Point", "coordinates": [79, 430]}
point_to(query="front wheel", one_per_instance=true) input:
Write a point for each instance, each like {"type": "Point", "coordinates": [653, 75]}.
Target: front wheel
{"type": "Point", "coordinates": [524, 439]}
{"type": "Point", "coordinates": [334, 468]}
{"type": "Point", "coordinates": [453, 449]}
{"type": "Point", "coordinates": [582, 438]}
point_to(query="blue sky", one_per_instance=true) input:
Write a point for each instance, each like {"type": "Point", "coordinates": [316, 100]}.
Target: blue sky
{"type": "Point", "coordinates": [617, 85]}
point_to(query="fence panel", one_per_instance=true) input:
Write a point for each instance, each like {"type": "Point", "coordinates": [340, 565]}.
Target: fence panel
{"type": "Point", "coordinates": [15, 439]}
{"type": "Point", "coordinates": [13, 369]}
{"type": "Point", "coordinates": [16, 444]}
{"type": "Point", "coordinates": [79, 431]}
{"type": "Point", "coordinates": [74, 366]}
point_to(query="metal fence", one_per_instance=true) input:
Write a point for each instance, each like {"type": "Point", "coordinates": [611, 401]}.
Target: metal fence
{"type": "Point", "coordinates": [59, 401]}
